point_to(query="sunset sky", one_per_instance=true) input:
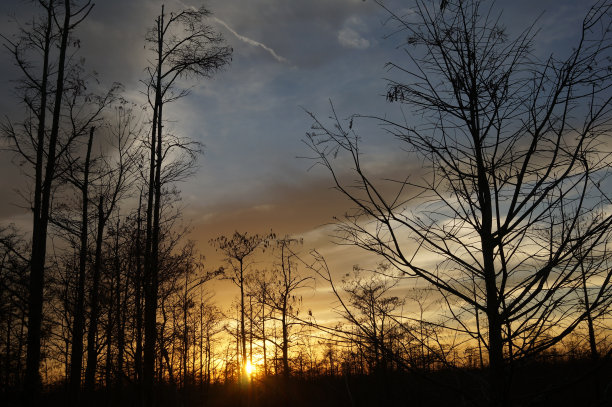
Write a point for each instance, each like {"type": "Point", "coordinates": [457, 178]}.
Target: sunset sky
{"type": "Point", "coordinates": [290, 56]}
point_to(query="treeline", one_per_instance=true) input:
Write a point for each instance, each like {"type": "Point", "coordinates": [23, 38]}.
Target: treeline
{"type": "Point", "coordinates": [202, 350]}
{"type": "Point", "coordinates": [82, 293]}
{"type": "Point", "coordinates": [492, 264]}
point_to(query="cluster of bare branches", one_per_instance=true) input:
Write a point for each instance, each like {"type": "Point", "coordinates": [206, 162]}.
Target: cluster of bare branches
{"type": "Point", "coordinates": [109, 267]}
{"type": "Point", "coordinates": [510, 222]}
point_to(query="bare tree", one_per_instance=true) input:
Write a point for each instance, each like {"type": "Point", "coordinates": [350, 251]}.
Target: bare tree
{"type": "Point", "coordinates": [237, 250]}
{"type": "Point", "coordinates": [259, 285]}
{"type": "Point", "coordinates": [117, 170]}
{"type": "Point", "coordinates": [515, 155]}
{"type": "Point", "coordinates": [282, 295]}
{"type": "Point", "coordinates": [591, 268]}
{"type": "Point", "coordinates": [184, 48]}
{"type": "Point", "coordinates": [85, 111]}
{"type": "Point", "coordinates": [14, 263]}
{"type": "Point", "coordinates": [374, 311]}
{"type": "Point", "coordinates": [193, 278]}
{"type": "Point", "coordinates": [76, 357]}
{"type": "Point", "coordinates": [37, 144]}
{"type": "Point", "coordinates": [211, 323]}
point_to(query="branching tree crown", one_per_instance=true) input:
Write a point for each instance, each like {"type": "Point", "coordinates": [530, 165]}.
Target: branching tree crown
{"type": "Point", "coordinates": [517, 156]}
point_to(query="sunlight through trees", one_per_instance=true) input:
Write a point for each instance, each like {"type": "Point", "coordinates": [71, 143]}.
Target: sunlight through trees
{"type": "Point", "coordinates": [471, 263]}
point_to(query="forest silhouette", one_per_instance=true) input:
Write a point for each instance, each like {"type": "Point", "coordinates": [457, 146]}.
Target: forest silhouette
{"type": "Point", "coordinates": [491, 284]}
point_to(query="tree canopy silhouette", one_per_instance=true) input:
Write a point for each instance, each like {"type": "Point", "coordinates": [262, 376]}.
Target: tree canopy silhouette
{"type": "Point", "coordinates": [515, 194]}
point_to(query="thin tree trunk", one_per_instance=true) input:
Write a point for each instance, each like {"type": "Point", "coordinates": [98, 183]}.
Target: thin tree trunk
{"type": "Point", "coordinates": [201, 345]}
{"type": "Point", "coordinates": [36, 277]}
{"type": "Point", "coordinates": [109, 338]}
{"type": "Point", "coordinates": [208, 360]}
{"type": "Point", "coordinates": [185, 336]}
{"type": "Point", "coordinates": [589, 316]}
{"type": "Point", "coordinates": [151, 242]}
{"type": "Point", "coordinates": [120, 311]}
{"type": "Point", "coordinates": [251, 330]}
{"type": "Point", "coordinates": [238, 359]}
{"type": "Point", "coordinates": [263, 334]}
{"type": "Point", "coordinates": [138, 286]}
{"type": "Point", "coordinates": [242, 324]}
{"type": "Point", "coordinates": [285, 345]}
{"type": "Point", "coordinates": [39, 244]}
{"type": "Point", "coordinates": [76, 357]}
{"type": "Point", "coordinates": [92, 334]}
{"type": "Point", "coordinates": [7, 349]}
{"type": "Point", "coordinates": [20, 346]}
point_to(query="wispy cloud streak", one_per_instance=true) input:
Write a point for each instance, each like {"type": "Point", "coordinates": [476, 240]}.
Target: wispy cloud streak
{"type": "Point", "coordinates": [242, 37]}
{"type": "Point", "coordinates": [252, 42]}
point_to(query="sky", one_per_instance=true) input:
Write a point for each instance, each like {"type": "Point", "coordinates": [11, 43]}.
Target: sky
{"type": "Point", "coordinates": [290, 57]}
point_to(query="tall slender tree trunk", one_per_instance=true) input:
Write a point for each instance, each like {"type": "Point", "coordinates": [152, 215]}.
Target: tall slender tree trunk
{"type": "Point", "coordinates": [138, 287]}
{"type": "Point", "coordinates": [201, 345]}
{"type": "Point", "coordinates": [285, 344]}
{"type": "Point", "coordinates": [32, 378]}
{"type": "Point", "coordinates": [478, 332]}
{"type": "Point", "coordinates": [7, 350]}
{"type": "Point", "coordinates": [263, 333]}
{"type": "Point", "coordinates": [242, 323]}
{"type": "Point", "coordinates": [251, 330]}
{"type": "Point", "coordinates": [20, 345]}
{"type": "Point", "coordinates": [151, 252]}
{"type": "Point", "coordinates": [121, 338]}
{"type": "Point", "coordinates": [76, 357]}
{"type": "Point", "coordinates": [208, 358]}
{"type": "Point", "coordinates": [238, 358]}
{"type": "Point", "coordinates": [119, 313]}
{"type": "Point", "coordinates": [110, 324]}
{"type": "Point", "coordinates": [39, 243]}
{"type": "Point", "coordinates": [275, 352]}
{"type": "Point", "coordinates": [92, 334]}
{"type": "Point", "coordinates": [496, 351]}
{"type": "Point", "coordinates": [589, 316]}
{"type": "Point", "coordinates": [185, 336]}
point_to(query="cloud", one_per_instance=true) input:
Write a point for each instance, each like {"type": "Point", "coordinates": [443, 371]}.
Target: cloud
{"type": "Point", "coordinates": [349, 36]}
{"type": "Point", "coordinates": [252, 42]}
{"type": "Point", "coordinates": [243, 38]}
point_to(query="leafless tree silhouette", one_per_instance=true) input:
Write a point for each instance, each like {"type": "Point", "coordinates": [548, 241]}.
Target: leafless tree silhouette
{"type": "Point", "coordinates": [238, 249]}
{"type": "Point", "coordinates": [517, 155]}
{"type": "Point", "coordinates": [40, 144]}
{"type": "Point", "coordinates": [184, 47]}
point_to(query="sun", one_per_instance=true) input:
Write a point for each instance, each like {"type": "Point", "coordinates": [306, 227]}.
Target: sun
{"type": "Point", "coordinates": [249, 368]}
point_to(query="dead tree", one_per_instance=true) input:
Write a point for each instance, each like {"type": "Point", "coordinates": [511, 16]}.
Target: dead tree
{"type": "Point", "coordinates": [184, 48]}
{"type": "Point", "coordinates": [237, 250]}
{"type": "Point", "coordinates": [76, 356]}
{"type": "Point", "coordinates": [374, 312]}
{"type": "Point", "coordinates": [14, 263]}
{"type": "Point", "coordinates": [37, 144]}
{"type": "Point", "coordinates": [283, 293]}
{"type": "Point", "coordinates": [514, 154]}
{"type": "Point", "coordinates": [117, 171]}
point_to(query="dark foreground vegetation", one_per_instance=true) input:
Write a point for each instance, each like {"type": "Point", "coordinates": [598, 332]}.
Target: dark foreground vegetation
{"type": "Point", "coordinates": [494, 253]}
{"type": "Point", "coordinates": [577, 382]}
